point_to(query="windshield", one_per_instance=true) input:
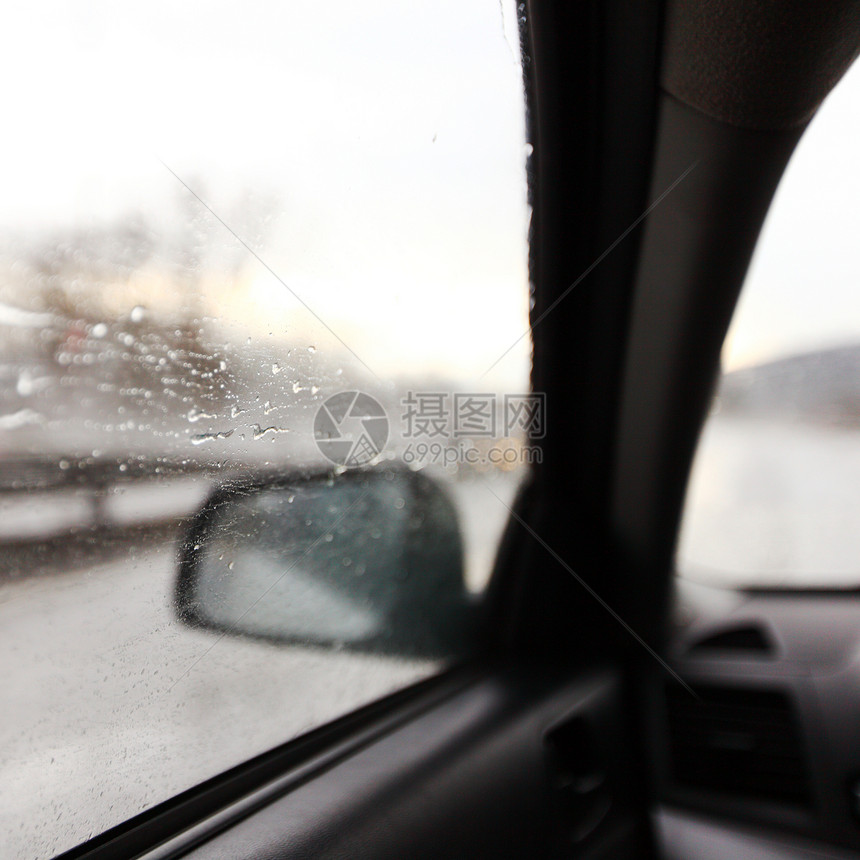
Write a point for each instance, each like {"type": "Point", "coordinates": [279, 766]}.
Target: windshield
{"type": "Point", "coordinates": [774, 496]}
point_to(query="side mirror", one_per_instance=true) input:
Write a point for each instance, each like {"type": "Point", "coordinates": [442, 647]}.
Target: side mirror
{"type": "Point", "coordinates": [368, 560]}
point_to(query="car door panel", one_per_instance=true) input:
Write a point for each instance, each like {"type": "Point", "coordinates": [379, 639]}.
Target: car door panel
{"type": "Point", "coordinates": [519, 763]}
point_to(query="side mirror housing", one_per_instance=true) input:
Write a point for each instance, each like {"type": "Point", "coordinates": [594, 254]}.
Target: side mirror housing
{"type": "Point", "coordinates": [367, 560]}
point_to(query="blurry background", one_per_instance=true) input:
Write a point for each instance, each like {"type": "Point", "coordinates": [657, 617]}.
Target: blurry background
{"type": "Point", "coordinates": [370, 160]}
{"type": "Point", "coordinates": [774, 497]}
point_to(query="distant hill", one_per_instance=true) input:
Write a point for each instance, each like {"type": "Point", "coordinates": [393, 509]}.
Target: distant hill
{"type": "Point", "coordinates": [820, 387]}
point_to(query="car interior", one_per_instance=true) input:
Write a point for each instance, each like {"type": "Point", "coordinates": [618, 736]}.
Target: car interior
{"type": "Point", "coordinates": [604, 708]}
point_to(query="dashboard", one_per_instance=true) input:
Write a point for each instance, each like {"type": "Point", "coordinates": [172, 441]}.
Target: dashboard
{"type": "Point", "coordinates": [763, 759]}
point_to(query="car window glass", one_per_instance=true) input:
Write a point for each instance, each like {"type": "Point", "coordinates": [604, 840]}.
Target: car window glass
{"type": "Point", "coordinates": [773, 495]}
{"type": "Point", "coordinates": [244, 243]}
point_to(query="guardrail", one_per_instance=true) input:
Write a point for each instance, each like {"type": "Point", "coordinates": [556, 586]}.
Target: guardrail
{"type": "Point", "coordinates": [42, 498]}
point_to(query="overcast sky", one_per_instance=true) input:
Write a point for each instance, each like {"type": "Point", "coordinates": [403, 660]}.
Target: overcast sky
{"type": "Point", "coordinates": [391, 136]}
{"type": "Point", "coordinates": [803, 288]}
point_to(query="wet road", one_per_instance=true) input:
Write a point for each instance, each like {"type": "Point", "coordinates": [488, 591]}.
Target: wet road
{"type": "Point", "coordinates": [111, 705]}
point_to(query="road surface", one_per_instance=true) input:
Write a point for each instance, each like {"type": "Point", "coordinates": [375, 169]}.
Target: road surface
{"type": "Point", "coordinates": [111, 705]}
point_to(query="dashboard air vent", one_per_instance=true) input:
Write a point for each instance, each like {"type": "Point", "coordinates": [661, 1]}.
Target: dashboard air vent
{"type": "Point", "coordinates": [749, 639]}
{"type": "Point", "coordinates": [739, 742]}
